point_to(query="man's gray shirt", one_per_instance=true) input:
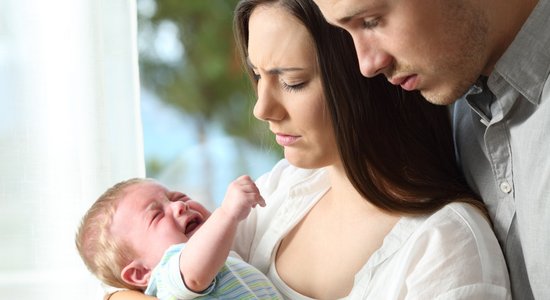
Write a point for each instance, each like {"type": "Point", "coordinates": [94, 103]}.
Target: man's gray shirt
{"type": "Point", "coordinates": [503, 148]}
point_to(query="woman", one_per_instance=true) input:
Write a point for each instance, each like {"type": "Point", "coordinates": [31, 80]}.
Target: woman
{"type": "Point", "coordinates": [368, 203]}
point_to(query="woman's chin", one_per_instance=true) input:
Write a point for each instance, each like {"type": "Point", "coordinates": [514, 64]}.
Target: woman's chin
{"type": "Point", "coordinates": [303, 162]}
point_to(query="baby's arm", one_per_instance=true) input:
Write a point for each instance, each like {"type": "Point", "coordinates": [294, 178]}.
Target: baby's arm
{"type": "Point", "coordinates": [207, 250]}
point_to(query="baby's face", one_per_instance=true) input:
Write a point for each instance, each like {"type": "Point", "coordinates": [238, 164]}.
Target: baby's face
{"type": "Point", "coordinates": [151, 218]}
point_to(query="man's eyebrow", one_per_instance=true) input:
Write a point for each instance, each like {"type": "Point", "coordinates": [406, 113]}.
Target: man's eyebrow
{"type": "Point", "coordinates": [349, 16]}
{"type": "Point", "coordinates": [276, 71]}
{"type": "Point", "coordinates": [367, 8]}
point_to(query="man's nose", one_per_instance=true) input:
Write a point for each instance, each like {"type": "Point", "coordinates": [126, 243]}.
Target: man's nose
{"type": "Point", "coordinates": [372, 59]}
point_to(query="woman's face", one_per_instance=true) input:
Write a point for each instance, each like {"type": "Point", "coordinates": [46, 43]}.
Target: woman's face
{"type": "Point", "coordinates": [290, 92]}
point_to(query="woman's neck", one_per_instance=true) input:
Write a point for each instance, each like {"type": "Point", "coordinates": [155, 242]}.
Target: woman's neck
{"type": "Point", "coordinates": [344, 193]}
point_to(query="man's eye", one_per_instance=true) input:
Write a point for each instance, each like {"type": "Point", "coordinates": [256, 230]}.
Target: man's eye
{"type": "Point", "coordinates": [370, 23]}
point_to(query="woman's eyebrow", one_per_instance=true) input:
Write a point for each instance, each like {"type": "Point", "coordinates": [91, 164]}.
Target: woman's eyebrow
{"type": "Point", "coordinates": [277, 70]}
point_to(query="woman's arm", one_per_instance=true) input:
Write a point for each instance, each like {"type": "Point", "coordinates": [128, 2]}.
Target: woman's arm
{"type": "Point", "coordinates": [128, 295]}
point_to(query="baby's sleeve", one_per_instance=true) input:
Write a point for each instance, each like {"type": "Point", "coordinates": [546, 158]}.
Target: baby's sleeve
{"type": "Point", "coordinates": [167, 281]}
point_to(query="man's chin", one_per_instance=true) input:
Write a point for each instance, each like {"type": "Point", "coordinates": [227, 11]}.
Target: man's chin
{"type": "Point", "coordinates": [439, 98]}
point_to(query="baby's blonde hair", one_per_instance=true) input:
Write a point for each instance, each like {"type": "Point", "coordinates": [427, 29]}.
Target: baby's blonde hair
{"type": "Point", "coordinates": [104, 255]}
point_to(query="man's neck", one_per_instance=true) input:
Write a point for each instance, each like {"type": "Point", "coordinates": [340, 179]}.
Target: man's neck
{"type": "Point", "coordinates": [506, 19]}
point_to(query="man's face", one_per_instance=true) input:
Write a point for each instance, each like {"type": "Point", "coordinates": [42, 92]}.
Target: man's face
{"type": "Point", "coordinates": [438, 47]}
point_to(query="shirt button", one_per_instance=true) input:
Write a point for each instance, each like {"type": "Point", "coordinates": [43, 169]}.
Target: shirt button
{"type": "Point", "coordinates": [505, 187]}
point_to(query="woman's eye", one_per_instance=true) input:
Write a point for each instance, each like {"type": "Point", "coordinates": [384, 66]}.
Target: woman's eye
{"type": "Point", "coordinates": [370, 23]}
{"type": "Point", "coordinates": [256, 76]}
{"type": "Point", "coordinates": [293, 87]}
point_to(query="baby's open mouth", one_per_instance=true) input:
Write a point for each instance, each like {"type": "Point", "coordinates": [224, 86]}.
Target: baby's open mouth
{"type": "Point", "coordinates": [192, 224]}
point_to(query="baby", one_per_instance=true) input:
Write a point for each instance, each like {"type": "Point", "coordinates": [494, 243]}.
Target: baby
{"type": "Point", "coordinates": [142, 236]}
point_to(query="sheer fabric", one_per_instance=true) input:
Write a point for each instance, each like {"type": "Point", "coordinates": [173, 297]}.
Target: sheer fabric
{"type": "Point", "coordinates": [70, 127]}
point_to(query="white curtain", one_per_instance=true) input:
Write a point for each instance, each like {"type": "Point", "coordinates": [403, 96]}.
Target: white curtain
{"type": "Point", "coordinates": [69, 127]}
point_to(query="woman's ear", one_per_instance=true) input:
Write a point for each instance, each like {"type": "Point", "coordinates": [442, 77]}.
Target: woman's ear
{"type": "Point", "coordinates": [135, 273]}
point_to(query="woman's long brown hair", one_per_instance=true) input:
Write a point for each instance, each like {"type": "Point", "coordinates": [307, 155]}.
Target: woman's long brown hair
{"type": "Point", "coordinates": [396, 147]}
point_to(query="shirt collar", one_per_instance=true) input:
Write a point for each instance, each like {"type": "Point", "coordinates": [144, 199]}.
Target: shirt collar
{"type": "Point", "coordinates": [525, 65]}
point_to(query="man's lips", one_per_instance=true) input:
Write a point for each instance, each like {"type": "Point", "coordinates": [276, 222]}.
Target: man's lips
{"type": "Point", "coordinates": [406, 82]}
{"type": "Point", "coordinates": [285, 139]}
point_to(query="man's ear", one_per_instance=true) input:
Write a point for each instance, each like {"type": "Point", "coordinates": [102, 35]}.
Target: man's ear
{"type": "Point", "coordinates": [135, 273]}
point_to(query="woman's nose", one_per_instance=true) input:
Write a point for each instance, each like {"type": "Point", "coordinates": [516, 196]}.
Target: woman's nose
{"type": "Point", "coordinates": [268, 107]}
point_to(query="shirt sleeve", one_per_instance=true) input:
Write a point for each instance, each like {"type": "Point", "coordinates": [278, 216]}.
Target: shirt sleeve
{"type": "Point", "coordinates": [167, 281]}
{"type": "Point", "coordinates": [456, 256]}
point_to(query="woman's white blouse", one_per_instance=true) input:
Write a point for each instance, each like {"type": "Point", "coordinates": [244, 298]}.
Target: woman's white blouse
{"type": "Point", "coordinates": [451, 254]}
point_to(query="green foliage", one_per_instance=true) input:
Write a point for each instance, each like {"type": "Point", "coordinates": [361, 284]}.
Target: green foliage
{"type": "Point", "coordinates": [153, 167]}
{"type": "Point", "coordinates": [207, 79]}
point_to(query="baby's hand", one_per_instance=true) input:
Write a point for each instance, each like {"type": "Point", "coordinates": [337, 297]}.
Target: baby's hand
{"type": "Point", "coordinates": [241, 196]}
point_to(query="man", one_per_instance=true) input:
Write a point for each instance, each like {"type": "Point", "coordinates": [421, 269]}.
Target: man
{"type": "Point", "coordinates": [491, 60]}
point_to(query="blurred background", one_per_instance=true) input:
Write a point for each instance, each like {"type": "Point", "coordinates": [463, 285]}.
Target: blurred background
{"type": "Point", "coordinates": [93, 92]}
{"type": "Point", "coordinates": [196, 101]}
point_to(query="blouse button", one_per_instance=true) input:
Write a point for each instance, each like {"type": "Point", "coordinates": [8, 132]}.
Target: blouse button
{"type": "Point", "coordinates": [505, 187]}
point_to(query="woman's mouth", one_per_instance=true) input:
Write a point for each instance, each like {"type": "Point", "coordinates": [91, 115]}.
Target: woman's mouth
{"type": "Point", "coordinates": [286, 140]}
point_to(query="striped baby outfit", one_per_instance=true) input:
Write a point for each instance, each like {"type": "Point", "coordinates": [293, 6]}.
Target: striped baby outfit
{"type": "Point", "coordinates": [236, 280]}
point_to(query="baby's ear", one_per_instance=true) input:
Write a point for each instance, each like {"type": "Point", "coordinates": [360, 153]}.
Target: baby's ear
{"type": "Point", "coordinates": [136, 274]}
